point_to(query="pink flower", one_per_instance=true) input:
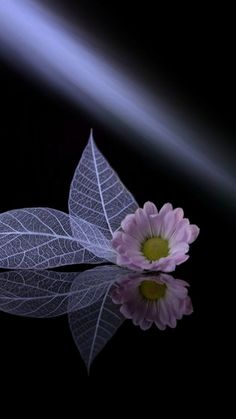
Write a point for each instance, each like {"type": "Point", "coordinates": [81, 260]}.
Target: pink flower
{"type": "Point", "coordinates": [152, 240]}
{"type": "Point", "coordinates": [158, 299]}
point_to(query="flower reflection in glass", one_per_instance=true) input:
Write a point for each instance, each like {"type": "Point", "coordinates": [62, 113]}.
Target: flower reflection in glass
{"type": "Point", "coordinates": [97, 301]}
{"type": "Point", "coordinates": [158, 299]}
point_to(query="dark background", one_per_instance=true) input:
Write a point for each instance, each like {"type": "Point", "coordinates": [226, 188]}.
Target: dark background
{"type": "Point", "coordinates": [190, 54]}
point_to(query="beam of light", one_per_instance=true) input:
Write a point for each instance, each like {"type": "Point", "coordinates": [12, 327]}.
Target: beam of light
{"type": "Point", "coordinates": [33, 36]}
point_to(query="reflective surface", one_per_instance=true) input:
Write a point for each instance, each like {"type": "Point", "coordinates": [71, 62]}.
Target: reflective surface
{"type": "Point", "coordinates": [188, 60]}
{"type": "Point", "coordinates": [97, 301]}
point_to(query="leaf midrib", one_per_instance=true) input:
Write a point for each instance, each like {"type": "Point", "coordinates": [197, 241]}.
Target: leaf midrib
{"type": "Point", "coordinates": [99, 188]}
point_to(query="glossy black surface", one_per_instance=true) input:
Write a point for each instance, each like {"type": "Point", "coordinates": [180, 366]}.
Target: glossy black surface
{"type": "Point", "coordinates": [42, 138]}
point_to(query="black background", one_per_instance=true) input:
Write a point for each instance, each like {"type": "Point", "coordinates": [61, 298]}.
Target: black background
{"type": "Point", "coordinates": [190, 53]}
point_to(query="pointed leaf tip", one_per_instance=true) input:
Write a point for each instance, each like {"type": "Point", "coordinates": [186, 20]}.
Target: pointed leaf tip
{"type": "Point", "coordinates": [91, 135]}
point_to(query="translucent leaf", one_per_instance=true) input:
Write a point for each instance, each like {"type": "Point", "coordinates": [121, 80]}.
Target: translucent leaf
{"type": "Point", "coordinates": [90, 285]}
{"type": "Point", "coordinates": [35, 293]}
{"type": "Point", "coordinates": [93, 326]}
{"type": "Point", "coordinates": [97, 195]}
{"type": "Point", "coordinates": [41, 238]}
{"type": "Point", "coordinates": [50, 294]}
{"type": "Point", "coordinates": [92, 239]}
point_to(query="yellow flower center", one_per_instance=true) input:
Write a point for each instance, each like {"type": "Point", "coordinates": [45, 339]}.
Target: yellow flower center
{"type": "Point", "coordinates": [152, 290]}
{"type": "Point", "coordinates": [155, 248]}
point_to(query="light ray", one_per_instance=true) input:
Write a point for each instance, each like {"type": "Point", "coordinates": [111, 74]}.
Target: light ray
{"type": "Point", "coordinates": [33, 36]}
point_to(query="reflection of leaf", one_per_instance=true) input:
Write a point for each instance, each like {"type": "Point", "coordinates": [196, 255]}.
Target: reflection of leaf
{"type": "Point", "coordinates": [35, 293]}
{"type": "Point", "coordinates": [93, 326]}
{"type": "Point", "coordinates": [97, 194]}
{"type": "Point", "coordinates": [40, 238]}
{"type": "Point", "coordinates": [90, 285]}
{"type": "Point", "coordinates": [84, 296]}
{"type": "Point", "coordinates": [49, 293]}
{"type": "Point", "coordinates": [88, 298]}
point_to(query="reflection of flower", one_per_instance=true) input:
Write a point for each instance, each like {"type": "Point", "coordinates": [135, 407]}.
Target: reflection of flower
{"type": "Point", "coordinates": [158, 299]}
{"type": "Point", "coordinates": [152, 240]}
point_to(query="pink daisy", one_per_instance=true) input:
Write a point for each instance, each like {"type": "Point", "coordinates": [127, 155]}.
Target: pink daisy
{"type": "Point", "coordinates": [152, 240]}
{"type": "Point", "coordinates": [158, 299]}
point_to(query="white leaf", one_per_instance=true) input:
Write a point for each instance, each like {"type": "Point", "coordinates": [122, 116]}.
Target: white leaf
{"type": "Point", "coordinates": [84, 296]}
{"type": "Point", "coordinates": [42, 293]}
{"type": "Point", "coordinates": [41, 238]}
{"type": "Point", "coordinates": [92, 239]}
{"type": "Point", "coordinates": [97, 195]}
{"type": "Point", "coordinates": [90, 285]}
{"type": "Point", "coordinates": [93, 326]}
{"type": "Point", "coordinates": [35, 293]}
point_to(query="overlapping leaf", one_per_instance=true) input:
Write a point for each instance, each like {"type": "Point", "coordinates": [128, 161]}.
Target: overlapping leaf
{"type": "Point", "coordinates": [90, 285]}
{"type": "Point", "coordinates": [85, 296]}
{"type": "Point", "coordinates": [42, 238]}
{"type": "Point", "coordinates": [42, 293]}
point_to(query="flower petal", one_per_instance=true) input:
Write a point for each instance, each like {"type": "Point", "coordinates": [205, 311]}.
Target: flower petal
{"type": "Point", "coordinates": [179, 248]}
{"type": "Point", "coordinates": [179, 213]}
{"type": "Point", "coordinates": [165, 209]}
{"type": "Point", "coordinates": [181, 259]}
{"type": "Point", "coordinates": [150, 208]}
{"type": "Point", "coordinates": [143, 223]}
{"type": "Point", "coordinates": [155, 222]}
{"type": "Point", "coordinates": [168, 225]}
{"type": "Point", "coordinates": [188, 307]}
{"type": "Point", "coordinates": [167, 265]}
{"type": "Point", "coordinates": [194, 232]}
{"type": "Point", "coordinates": [117, 239]}
{"type": "Point", "coordinates": [145, 324]}
{"type": "Point", "coordinates": [130, 226]}
{"type": "Point", "coordinates": [163, 311]}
